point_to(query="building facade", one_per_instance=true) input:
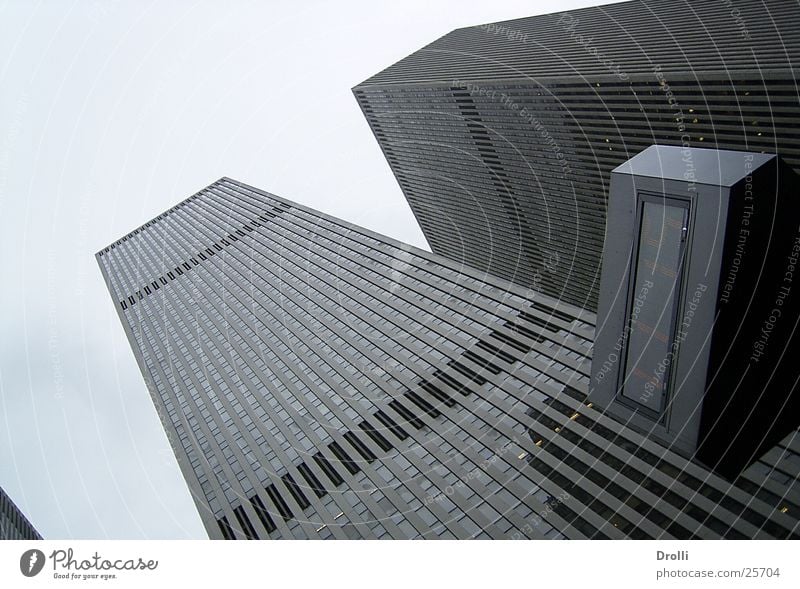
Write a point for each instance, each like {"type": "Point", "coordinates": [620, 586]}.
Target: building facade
{"type": "Point", "coordinates": [318, 380]}
{"type": "Point", "coordinates": [13, 523]}
{"type": "Point", "coordinates": [503, 136]}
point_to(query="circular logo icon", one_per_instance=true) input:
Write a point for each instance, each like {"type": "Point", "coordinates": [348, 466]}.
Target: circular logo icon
{"type": "Point", "coordinates": [31, 562]}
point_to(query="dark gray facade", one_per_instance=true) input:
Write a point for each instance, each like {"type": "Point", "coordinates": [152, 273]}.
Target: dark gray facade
{"type": "Point", "coordinates": [317, 380]}
{"type": "Point", "coordinates": [503, 136]}
{"type": "Point", "coordinates": [698, 306]}
{"type": "Point", "coordinates": [13, 523]}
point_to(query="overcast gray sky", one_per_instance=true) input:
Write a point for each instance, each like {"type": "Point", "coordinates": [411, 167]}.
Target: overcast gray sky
{"type": "Point", "coordinates": [111, 112]}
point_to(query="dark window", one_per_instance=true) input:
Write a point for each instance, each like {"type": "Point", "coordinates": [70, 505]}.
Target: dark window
{"type": "Point", "coordinates": [658, 260]}
{"type": "Point", "coordinates": [283, 508]}
{"type": "Point", "coordinates": [225, 528]}
{"type": "Point", "coordinates": [313, 482]}
{"type": "Point", "coordinates": [555, 313]}
{"type": "Point", "coordinates": [328, 469]}
{"type": "Point", "coordinates": [263, 514]}
{"type": "Point", "coordinates": [473, 357]}
{"type": "Point", "coordinates": [524, 331]}
{"type": "Point", "coordinates": [537, 321]}
{"type": "Point", "coordinates": [510, 341]}
{"type": "Point", "coordinates": [468, 372]}
{"type": "Point", "coordinates": [391, 424]}
{"type": "Point", "coordinates": [296, 491]}
{"type": "Point", "coordinates": [452, 382]}
{"type": "Point", "coordinates": [436, 392]}
{"type": "Point", "coordinates": [362, 449]}
{"type": "Point", "coordinates": [422, 404]}
{"type": "Point", "coordinates": [376, 436]}
{"type": "Point", "coordinates": [406, 414]}
{"type": "Point", "coordinates": [348, 462]}
{"type": "Point", "coordinates": [496, 352]}
{"type": "Point", "coordinates": [244, 522]}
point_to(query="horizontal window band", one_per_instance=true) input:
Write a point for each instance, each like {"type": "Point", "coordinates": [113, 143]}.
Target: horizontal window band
{"type": "Point", "coordinates": [203, 254]}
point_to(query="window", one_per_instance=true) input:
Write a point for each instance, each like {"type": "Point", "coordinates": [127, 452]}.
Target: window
{"type": "Point", "coordinates": [296, 491]}
{"type": "Point", "coordinates": [225, 528]}
{"type": "Point", "coordinates": [279, 502]}
{"type": "Point", "coordinates": [244, 522]}
{"type": "Point", "coordinates": [653, 304]}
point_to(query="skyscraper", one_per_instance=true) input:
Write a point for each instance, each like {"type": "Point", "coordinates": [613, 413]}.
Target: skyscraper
{"type": "Point", "coordinates": [13, 523]}
{"type": "Point", "coordinates": [317, 380]}
{"type": "Point", "coordinates": [503, 136]}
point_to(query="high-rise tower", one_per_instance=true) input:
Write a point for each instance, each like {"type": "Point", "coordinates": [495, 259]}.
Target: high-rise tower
{"type": "Point", "coordinates": [317, 380]}
{"type": "Point", "coordinates": [503, 136]}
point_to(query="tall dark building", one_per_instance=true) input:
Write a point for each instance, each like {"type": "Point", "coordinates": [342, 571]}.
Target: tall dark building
{"type": "Point", "coordinates": [503, 136]}
{"type": "Point", "coordinates": [13, 523]}
{"type": "Point", "coordinates": [317, 380]}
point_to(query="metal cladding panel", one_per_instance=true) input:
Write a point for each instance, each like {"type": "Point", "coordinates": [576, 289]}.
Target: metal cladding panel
{"type": "Point", "coordinates": [708, 166]}
{"type": "Point", "coordinates": [503, 136]}
{"type": "Point", "coordinates": [318, 380]}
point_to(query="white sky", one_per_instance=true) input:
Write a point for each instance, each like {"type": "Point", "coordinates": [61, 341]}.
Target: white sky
{"type": "Point", "coordinates": [110, 113]}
